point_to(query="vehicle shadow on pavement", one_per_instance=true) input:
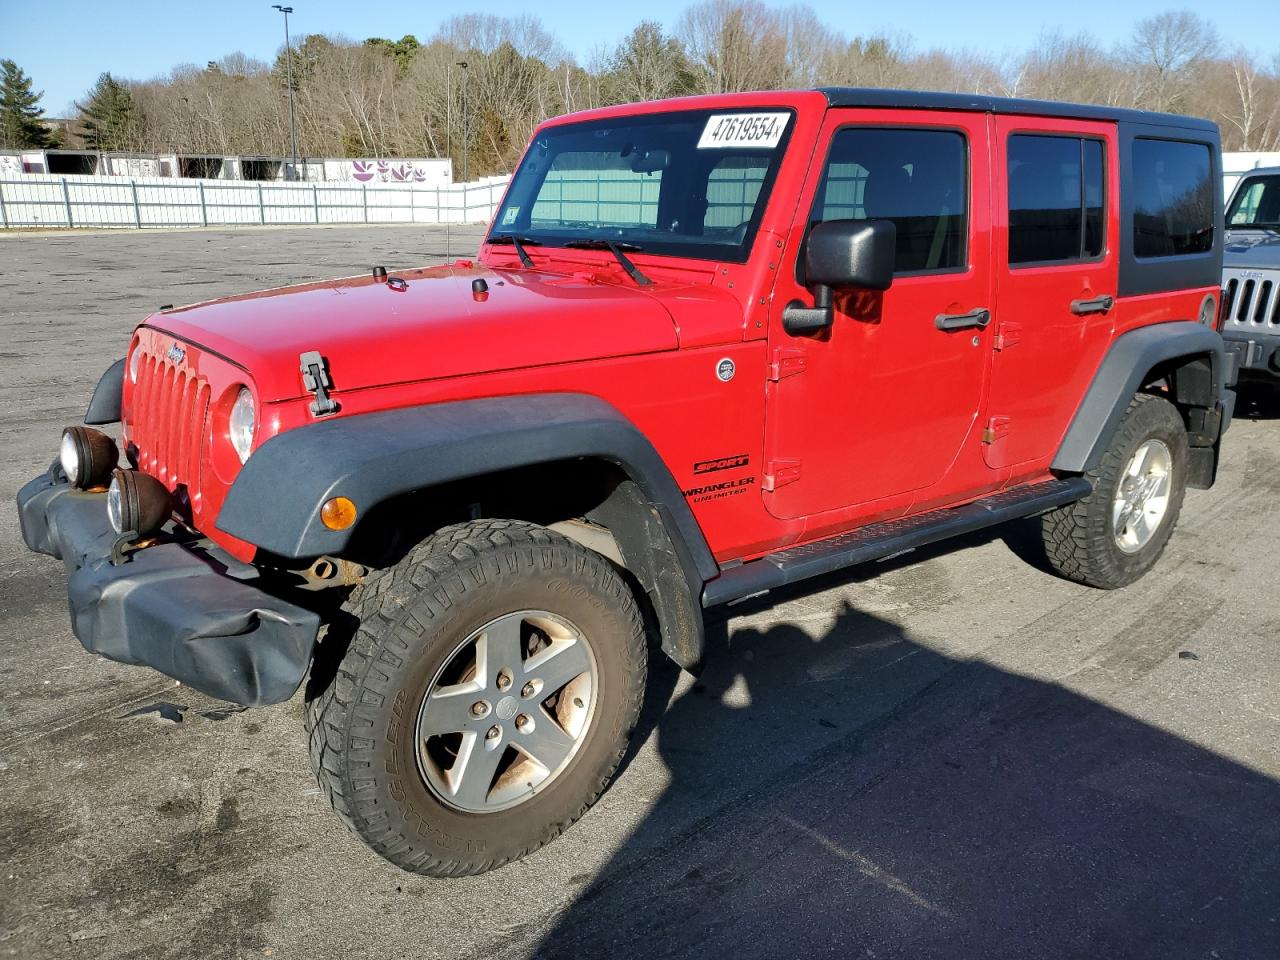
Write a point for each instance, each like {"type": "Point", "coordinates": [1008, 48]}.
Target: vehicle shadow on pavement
{"type": "Point", "coordinates": [855, 794]}
{"type": "Point", "coordinates": [1258, 400]}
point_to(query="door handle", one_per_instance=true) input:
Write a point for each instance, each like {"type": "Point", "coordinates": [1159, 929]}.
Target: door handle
{"type": "Point", "coordinates": [1101, 304]}
{"type": "Point", "coordinates": [963, 321]}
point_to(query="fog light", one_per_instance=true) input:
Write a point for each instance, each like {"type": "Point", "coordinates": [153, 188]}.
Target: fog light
{"type": "Point", "coordinates": [338, 513]}
{"type": "Point", "coordinates": [137, 502]}
{"type": "Point", "coordinates": [87, 456]}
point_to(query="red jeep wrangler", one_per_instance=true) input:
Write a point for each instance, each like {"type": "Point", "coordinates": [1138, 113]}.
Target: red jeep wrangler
{"type": "Point", "coordinates": [709, 347]}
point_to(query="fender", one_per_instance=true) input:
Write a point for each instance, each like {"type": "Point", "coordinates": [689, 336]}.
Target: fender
{"type": "Point", "coordinates": [276, 499]}
{"type": "Point", "coordinates": [1121, 375]}
{"type": "Point", "coordinates": [104, 405]}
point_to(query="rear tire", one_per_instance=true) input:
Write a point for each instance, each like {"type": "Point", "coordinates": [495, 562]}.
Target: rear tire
{"type": "Point", "coordinates": [471, 604]}
{"type": "Point", "coordinates": [1117, 533]}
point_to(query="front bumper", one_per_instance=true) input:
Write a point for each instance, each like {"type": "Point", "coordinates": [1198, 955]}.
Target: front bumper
{"type": "Point", "coordinates": [1253, 354]}
{"type": "Point", "coordinates": [174, 607]}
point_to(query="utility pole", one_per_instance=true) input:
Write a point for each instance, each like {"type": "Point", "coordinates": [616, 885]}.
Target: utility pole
{"type": "Point", "coordinates": [466, 120]}
{"type": "Point", "coordinates": [288, 63]}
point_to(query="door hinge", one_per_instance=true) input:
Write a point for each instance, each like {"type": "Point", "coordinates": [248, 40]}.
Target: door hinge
{"type": "Point", "coordinates": [786, 363]}
{"type": "Point", "coordinates": [778, 473]}
{"type": "Point", "coordinates": [1008, 335]}
{"type": "Point", "coordinates": [997, 429]}
{"type": "Point", "coordinates": [315, 377]}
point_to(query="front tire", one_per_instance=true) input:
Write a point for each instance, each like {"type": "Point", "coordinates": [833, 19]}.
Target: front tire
{"type": "Point", "coordinates": [1117, 533]}
{"type": "Point", "coordinates": [484, 700]}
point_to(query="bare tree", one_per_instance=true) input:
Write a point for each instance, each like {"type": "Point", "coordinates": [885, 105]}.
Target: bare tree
{"type": "Point", "coordinates": [734, 45]}
{"type": "Point", "coordinates": [1166, 51]}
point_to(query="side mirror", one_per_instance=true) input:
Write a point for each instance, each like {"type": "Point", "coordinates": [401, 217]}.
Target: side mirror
{"type": "Point", "coordinates": [842, 255]}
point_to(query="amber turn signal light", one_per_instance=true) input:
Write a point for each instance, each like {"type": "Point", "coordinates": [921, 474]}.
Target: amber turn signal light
{"type": "Point", "coordinates": [338, 513]}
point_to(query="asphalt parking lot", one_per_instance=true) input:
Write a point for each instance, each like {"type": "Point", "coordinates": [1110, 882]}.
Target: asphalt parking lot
{"type": "Point", "coordinates": [953, 755]}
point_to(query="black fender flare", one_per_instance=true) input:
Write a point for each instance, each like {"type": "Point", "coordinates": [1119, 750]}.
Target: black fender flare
{"type": "Point", "coordinates": [276, 499]}
{"type": "Point", "coordinates": [1130, 359]}
{"type": "Point", "coordinates": [104, 405]}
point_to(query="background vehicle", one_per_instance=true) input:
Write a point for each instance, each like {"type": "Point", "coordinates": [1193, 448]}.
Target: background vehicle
{"type": "Point", "coordinates": [1251, 274]}
{"type": "Point", "coordinates": [711, 347]}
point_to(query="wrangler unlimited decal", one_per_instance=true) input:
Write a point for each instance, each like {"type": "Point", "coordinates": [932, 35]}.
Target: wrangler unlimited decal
{"type": "Point", "coordinates": [715, 491]}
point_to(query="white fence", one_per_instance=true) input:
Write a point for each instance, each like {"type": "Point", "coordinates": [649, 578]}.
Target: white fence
{"type": "Point", "coordinates": [46, 200]}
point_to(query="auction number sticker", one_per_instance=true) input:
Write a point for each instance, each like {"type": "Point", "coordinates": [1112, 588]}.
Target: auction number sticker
{"type": "Point", "coordinates": [743, 130]}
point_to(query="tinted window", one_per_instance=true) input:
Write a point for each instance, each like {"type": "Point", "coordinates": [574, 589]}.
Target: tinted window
{"type": "Point", "coordinates": [916, 178]}
{"type": "Point", "coordinates": [1256, 203]}
{"type": "Point", "coordinates": [1173, 202]}
{"type": "Point", "coordinates": [1094, 191]}
{"type": "Point", "coordinates": [1055, 199]}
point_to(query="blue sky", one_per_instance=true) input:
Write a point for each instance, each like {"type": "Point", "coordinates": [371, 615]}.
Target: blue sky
{"type": "Point", "coordinates": [65, 44]}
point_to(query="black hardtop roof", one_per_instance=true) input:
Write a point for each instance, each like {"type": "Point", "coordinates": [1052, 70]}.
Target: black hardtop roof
{"type": "Point", "coordinates": [978, 103]}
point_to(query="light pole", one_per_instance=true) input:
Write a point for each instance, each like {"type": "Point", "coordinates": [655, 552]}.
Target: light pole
{"type": "Point", "coordinates": [466, 118]}
{"type": "Point", "coordinates": [288, 63]}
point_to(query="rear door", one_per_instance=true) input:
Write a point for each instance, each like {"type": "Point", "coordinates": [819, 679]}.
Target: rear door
{"type": "Point", "coordinates": [881, 404]}
{"type": "Point", "coordinates": [1056, 240]}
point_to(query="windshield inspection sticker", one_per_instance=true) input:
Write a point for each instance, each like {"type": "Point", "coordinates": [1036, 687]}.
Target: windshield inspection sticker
{"type": "Point", "coordinates": [743, 130]}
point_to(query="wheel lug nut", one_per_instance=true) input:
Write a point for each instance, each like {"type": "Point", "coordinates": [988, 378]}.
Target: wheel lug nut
{"type": "Point", "coordinates": [528, 690]}
{"type": "Point", "coordinates": [493, 733]}
{"type": "Point", "coordinates": [524, 724]}
{"type": "Point", "coordinates": [479, 708]}
{"type": "Point", "coordinates": [504, 679]}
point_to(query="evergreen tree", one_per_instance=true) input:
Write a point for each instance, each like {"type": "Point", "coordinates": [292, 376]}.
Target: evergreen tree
{"type": "Point", "coordinates": [648, 65]}
{"type": "Point", "coordinates": [107, 118]}
{"type": "Point", "coordinates": [20, 113]}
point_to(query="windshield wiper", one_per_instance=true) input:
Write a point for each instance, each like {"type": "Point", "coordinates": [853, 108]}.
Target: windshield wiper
{"type": "Point", "coordinates": [616, 249]}
{"type": "Point", "coordinates": [519, 243]}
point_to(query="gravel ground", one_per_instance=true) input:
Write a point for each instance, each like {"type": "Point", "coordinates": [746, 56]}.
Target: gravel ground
{"type": "Point", "coordinates": [961, 756]}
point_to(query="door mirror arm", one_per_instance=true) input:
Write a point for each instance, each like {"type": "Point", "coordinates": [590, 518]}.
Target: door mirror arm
{"type": "Point", "coordinates": [798, 320]}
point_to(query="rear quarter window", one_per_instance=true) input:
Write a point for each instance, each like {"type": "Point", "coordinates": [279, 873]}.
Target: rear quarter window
{"type": "Point", "coordinates": [1173, 203]}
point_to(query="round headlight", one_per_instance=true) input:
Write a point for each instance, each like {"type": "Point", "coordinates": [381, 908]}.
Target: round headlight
{"type": "Point", "coordinates": [87, 456]}
{"type": "Point", "coordinates": [241, 423]}
{"type": "Point", "coordinates": [69, 457]}
{"type": "Point", "coordinates": [135, 360]}
{"type": "Point", "coordinates": [113, 506]}
{"type": "Point", "coordinates": [137, 502]}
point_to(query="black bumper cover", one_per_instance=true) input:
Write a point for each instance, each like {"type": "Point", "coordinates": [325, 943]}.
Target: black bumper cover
{"type": "Point", "coordinates": [1253, 355]}
{"type": "Point", "coordinates": [171, 607]}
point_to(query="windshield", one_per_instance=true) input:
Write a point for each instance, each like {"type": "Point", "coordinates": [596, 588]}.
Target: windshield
{"type": "Point", "coordinates": [691, 184]}
{"type": "Point", "coordinates": [1256, 203]}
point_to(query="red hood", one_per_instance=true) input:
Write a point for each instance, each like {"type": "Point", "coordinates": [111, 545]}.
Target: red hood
{"type": "Point", "coordinates": [372, 334]}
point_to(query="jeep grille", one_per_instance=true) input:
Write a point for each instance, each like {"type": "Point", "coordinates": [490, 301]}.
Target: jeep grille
{"type": "Point", "coordinates": [169, 410]}
{"type": "Point", "coordinates": [1250, 302]}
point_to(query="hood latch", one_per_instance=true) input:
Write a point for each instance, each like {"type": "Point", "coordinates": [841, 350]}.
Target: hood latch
{"type": "Point", "coordinates": [315, 377]}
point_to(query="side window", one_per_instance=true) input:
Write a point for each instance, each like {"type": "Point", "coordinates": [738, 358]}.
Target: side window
{"type": "Point", "coordinates": [1257, 203]}
{"type": "Point", "coordinates": [599, 188]}
{"type": "Point", "coordinates": [1173, 202]}
{"type": "Point", "coordinates": [916, 178]}
{"type": "Point", "coordinates": [1056, 190]}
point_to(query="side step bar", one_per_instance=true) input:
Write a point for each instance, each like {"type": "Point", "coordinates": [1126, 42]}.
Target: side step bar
{"type": "Point", "coordinates": [877, 541]}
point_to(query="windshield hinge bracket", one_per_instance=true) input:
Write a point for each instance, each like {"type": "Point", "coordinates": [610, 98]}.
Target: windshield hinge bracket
{"type": "Point", "coordinates": [315, 377]}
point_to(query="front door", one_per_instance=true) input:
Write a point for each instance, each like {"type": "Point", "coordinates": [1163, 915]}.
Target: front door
{"type": "Point", "coordinates": [881, 404]}
{"type": "Point", "coordinates": [1056, 281]}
